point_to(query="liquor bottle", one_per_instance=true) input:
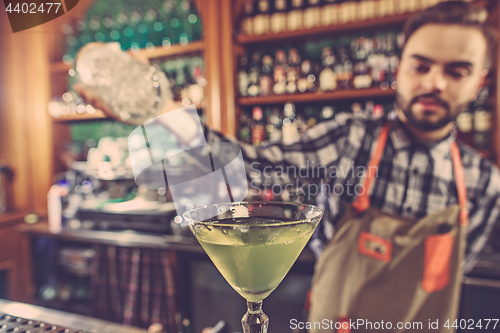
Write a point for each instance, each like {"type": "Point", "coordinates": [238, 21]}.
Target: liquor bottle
{"type": "Point", "coordinates": [312, 14]}
{"type": "Point", "coordinates": [301, 124]}
{"type": "Point", "coordinates": [311, 116]}
{"type": "Point", "coordinates": [266, 81]}
{"type": "Point", "coordinates": [279, 72]}
{"type": "Point", "coordinates": [365, 10]}
{"type": "Point", "coordinates": [293, 70]}
{"type": "Point", "coordinates": [278, 18]}
{"type": "Point", "coordinates": [274, 126]}
{"type": "Point", "coordinates": [166, 11]}
{"type": "Point", "coordinates": [194, 21]}
{"type": "Point", "coordinates": [482, 129]}
{"type": "Point", "coordinates": [378, 111]}
{"type": "Point", "coordinates": [188, 82]}
{"type": "Point", "coordinates": [196, 89]}
{"type": "Point", "coordinates": [305, 70]}
{"type": "Point", "coordinates": [106, 27]}
{"type": "Point", "coordinates": [175, 23]}
{"type": "Point", "coordinates": [130, 29]}
{"type": "Point", "coordinates": [70, 43]}
{"type": "Point", "coordinates": [357, 110]}
{"type": "Point", "coordinates": [258, 127]}
{"type": "Point", "coordinates": [147, 29]}
{"type": "Point", "coordinates": [245, 132]}
{"type": "Point", "coordinates": [307, 78]}
{"type": "Point", "coordinates": [387, 7]}
{"type": "Point", "coordinates": [261, 20]}
{"type": "Point", "coordinates": [327, 113]}
{"type": "Point", "coordinates": [243, 79]}
{"type": "Point", "coordinates": [247, 18]}
{"type": "Point", "coordinates": [361, 76]}
{"type": "Point", "coordinates": [94, 23]}
{"type": "Point", "coordinates": [290, 126]}
{"type": "Point", "coordinates": [186, 31]}
{"type": "Point", "coordinates": [329, 13]}
{"type": "Point", "coordinates": [346, 12]}
{"type": "Point", "coordinates": [180, 90]}
{"type": "Point", "coordinates": [253, 75]}
{"type": "Point", "coordinates": [294, 16]}
{"type": "Point", "coordinates": [413, 5]}
{"type": "Point", "coordinates": [344, 68]}
{"type": "Point", "coordinates": [313, 77]}
{"type": "Point", "coordinates": [327, 77]}
{"type": "Point", "coordinates": [465, 127]}
{"type": "Point", "coordinates": [379, 62]}
{"type": "Point", "coordinates": [392, 68]}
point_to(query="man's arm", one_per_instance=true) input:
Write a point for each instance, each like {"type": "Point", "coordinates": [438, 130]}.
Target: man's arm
{"type": "Point", "coordinates": [305, 161]}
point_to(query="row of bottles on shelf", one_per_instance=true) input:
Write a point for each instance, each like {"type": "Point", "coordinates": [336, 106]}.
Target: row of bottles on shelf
{"type": "Point", "coordinates": [186, 77]}
{"type": "Point", "coordinates": [360, 62]}
{"type": "Point", "coordinates": [134, 24]}
{"type": "Point", "coordinates": [475, 124]}
{"type": "Point", "coordinates": [275, 16]}
{"type": "Point", "coordinates": [274, 124]}
{"type": "Point", "coordinates": [286, 124]}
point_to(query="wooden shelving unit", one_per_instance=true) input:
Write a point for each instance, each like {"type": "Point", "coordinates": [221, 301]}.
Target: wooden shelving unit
{"type": "Point", "coordinates": [242, 42]}
{"type": "Point", "coordinates": [330, 30]}
{"type": "Point", "coordinates": [174, 50]}
{"type": "Point", "coordinates": [155, 53]}
{"type": "Point", "coordinates": [81, 117]}
{"type": "Point", "coordinates": [97, 115]}
{"type": "Point", "coordinates": [315, 97]}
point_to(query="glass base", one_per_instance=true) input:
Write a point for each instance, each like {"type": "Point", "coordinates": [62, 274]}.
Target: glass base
{"type": "Point", "coordinates": [255, 321]}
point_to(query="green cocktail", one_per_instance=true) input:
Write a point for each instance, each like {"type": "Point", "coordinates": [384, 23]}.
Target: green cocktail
{"type": "Point", "coordinates": [254, 245]}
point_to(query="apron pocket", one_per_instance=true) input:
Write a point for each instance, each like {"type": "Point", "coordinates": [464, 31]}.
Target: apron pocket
{"type": "Point", "coordinates": [437, 257]}
{"type": "Point", "coordinates": [375, 247]}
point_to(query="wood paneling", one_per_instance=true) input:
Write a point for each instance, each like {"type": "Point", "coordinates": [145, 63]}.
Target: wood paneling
{"type": "Point", "coordinates": [211, 18]}
{"type": "Point", "coordinates": [25, 126]}
{"type": "Point", "coordinates": [228, 69]}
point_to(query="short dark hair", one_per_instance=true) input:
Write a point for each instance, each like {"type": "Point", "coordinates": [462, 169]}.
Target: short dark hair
{"type": "Point", "coordinates": [456, 12]}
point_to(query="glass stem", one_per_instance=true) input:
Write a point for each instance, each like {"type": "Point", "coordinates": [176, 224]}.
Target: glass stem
{"type": "Point", "coordinates": [255, 321]}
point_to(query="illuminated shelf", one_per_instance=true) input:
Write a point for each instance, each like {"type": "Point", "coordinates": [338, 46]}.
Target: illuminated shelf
{"type": "Point", "coordinates": [99, 115]}
{"type": "Point", "coordinates": [176, 49]}
{"type": "Point", "coordinates": [388, 21]}
{"type": "Point", "coordinates": [83, 116]}
{"type": "Point", "coordinates": [315, 97]}
{"type": "Point", "coordinates": [154, 53]}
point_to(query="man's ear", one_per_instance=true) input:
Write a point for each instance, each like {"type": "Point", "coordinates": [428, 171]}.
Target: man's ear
{"type": "Point", "coordinates": [482, 78]}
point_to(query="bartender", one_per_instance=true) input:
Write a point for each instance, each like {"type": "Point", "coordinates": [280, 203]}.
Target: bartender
{"type": "Point", "coordinates": [394, 249]}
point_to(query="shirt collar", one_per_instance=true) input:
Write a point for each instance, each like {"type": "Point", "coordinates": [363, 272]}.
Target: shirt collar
{"type": "Point", "coordinates": [400, 141]}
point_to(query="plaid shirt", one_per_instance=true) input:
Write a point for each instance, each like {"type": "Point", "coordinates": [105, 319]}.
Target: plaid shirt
{"type": "Point", "coordinates": [413, 179]}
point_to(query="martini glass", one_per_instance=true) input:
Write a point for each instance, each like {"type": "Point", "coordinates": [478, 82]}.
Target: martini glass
{"type": "Point", "coordinates": [253, 245]}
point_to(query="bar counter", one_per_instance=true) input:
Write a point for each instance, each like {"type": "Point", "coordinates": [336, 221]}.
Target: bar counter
{"type": "Point", "coordinates": [46, 319]}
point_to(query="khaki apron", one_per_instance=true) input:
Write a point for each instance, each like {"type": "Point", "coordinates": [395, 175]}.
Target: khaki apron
{"type": "Point", "coordinates": [388, 270]}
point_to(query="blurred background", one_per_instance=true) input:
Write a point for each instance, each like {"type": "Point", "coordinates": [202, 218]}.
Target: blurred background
{"type": "Point", "coordinates": [76, 232]}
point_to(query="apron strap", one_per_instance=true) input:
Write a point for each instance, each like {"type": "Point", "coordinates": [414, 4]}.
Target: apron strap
{"type": "Point", "coordinates": [362, 202]}
{"type": "Point", "coordinates": [458, 170]}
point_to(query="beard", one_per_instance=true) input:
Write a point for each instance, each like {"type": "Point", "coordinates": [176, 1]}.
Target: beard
{"type": "Point", "coordinates": [428, 125]}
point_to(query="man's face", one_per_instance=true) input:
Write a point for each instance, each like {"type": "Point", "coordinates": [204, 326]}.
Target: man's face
{"type": "Point", "coordinates": [441, 71]}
